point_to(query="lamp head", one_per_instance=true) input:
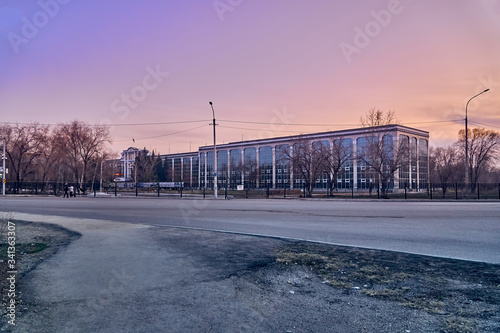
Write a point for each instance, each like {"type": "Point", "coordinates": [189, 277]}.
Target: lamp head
{"type": "Point", "coordinates": [210, 103]}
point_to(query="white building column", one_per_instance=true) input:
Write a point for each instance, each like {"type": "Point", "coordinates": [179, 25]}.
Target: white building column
{"type": "Point", "coordinates": [418, 164]}
{"type": "Point", "coordinates": [243, 166]}
{"type": "Point", "coordinates": [228, 171]}
{"type": "Point", "coordinates": [182, 169]}
{"type": "Point", "coordinates": [395, 142]}
{"type": "Point", "coordinates": [205, 158]}
{"type": "Point", "coordinates": [290, 167]}
{"type": "Point", "coordinates": [274, 167]}
{"type": "Point", "coordinates": [173, 169]}
{"type": "Point", "coordinates": [355, 163]}
{"type": "Point", "coordinates": [257, 152]}
{"type": "Point", "coordinates": [191, 171]}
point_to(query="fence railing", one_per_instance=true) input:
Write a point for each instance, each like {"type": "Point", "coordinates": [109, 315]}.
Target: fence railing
{"type": "Point", "coordinates": [431, 191]}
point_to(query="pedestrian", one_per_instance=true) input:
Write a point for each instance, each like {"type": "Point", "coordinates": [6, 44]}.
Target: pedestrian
{"type": "Point", "coordinates": [66, 191]}
{"type": "Point", "coordinates": [71, 194]}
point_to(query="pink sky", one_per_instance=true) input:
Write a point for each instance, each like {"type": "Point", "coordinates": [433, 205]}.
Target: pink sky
{"type": "Point", "coordinates": [277, 63]}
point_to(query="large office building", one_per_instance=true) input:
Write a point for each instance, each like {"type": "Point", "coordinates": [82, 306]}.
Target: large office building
{"type": "Point", "coordinates": [268, 163]}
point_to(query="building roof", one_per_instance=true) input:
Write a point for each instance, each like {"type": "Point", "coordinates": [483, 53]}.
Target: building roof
{"type": "Point", "coordinates": [323, 135]}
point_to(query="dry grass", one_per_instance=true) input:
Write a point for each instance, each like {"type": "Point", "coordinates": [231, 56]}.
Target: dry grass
{"type": "Point", "coordinates": [465, 294]}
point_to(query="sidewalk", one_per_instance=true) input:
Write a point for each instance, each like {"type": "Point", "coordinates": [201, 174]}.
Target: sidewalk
{"type": "Point", "coordinates": [122, 277]}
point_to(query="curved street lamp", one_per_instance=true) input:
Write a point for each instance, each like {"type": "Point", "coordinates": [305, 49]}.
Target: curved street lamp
{"type": "Point", "coordinates": [467, 139]}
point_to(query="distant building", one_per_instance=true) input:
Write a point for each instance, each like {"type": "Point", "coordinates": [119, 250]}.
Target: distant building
{"type": "Point", "coordinates": [258, 164]}
{"type": "Point", "coordinates": [128, 160]}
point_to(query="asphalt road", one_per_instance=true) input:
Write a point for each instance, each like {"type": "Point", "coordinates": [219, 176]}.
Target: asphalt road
{"type": "Point", "coordinates": [461, 230]}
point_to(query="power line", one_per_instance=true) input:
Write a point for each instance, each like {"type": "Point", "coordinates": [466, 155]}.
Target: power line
{"type": "Point", "coordinates": [165, 123]}
{"type": "Point", "coordinates": [110, 125]}
{"type": "Point", "coordinates": [163, 135]}
{"type": "Point", "coordinates": [331, 125]}
{"type": "Point", "coordinates": [256, 129]}
{"type": "Point", "coordinates": [478, 123]}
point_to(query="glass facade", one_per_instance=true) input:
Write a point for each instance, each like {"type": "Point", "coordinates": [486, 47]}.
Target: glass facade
{"type": "Point", "coordinates": [423, 163]}
{"type": "Point", "coordinates": [265, 167]}
{"type": "Point", "coordinates": [169, 171]}
{"type": "Point", "coordinates": [186, 171]}
{"type": "Point", "coordinates": [250, 167]}
{"type": "Point", "coordinates": [413, 162]}
{"type": "Point", "coordinates": [210, 170]}
{"type": "Point", "coordinates": [196, 171]}
{"type": "Point", "coordinates": [202, 170]}
{"type": "Point", "coordinates": [273, 165]}
{"type": "Point", "coordinates": [346, 174]}
{"type": "Point", "coordinates": [404, 171]}
{"type": "Point", "coordinates": [177, 170]}
{"type": "Point", "coordinates": [388, 148]}
{"type": "Point", "coordinates": [236, 168]}
{"type": "Point", "coordinates": [282, 173]}
{"type": "Point", "coordinates": [365, 178]}
{"type": "Point", "coordinates": [322, 176]}
{"type": "Point", "coordinates": [222, 168]}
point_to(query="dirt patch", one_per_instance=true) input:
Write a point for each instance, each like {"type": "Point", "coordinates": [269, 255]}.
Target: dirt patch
{"type": "Point", "coordinates": [466, 295]}
{"type": "Point", "coordinates": [34, 242]}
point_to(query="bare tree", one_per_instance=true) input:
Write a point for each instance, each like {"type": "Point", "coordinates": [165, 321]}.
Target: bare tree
{"type": "Point", "coordinates": [307, 161]}
{"type": "Point", "coordinates": [251, 171]}
{"type": "Point", "coordinates": [445, 166]}
{"type": "Point", "coordinates": [334, 158]}
{"type": "Point", "coordinates": [483, 150]}
{"type": "Point", "coordinates": [49, 160]}
{"type": "Point", "coordinates": [384, 156]}
{"type": "Point", "coordinates": [81, 144]}
{"type": "Point", "coordinates": [376, 117]}
{"type": "Point", "coordinates": [24, 146]}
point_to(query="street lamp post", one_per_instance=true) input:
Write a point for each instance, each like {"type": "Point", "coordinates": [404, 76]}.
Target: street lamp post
{"type": "Point", "coordinates": [467, 139]}
{"type": "Point", "coordinates": [3, 167]}
{"type": "Point", "coordinates": [215, 153]}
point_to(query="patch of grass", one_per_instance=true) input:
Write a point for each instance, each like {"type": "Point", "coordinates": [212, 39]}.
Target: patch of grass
{"type": "Point", "coordinates": [32, 247]}
{"type": "Point", "coordinates": [459, 325]}
{"type": "Point", "coordinates": [457, 290]}
{"type": "Point", "coordinates": [27, 248]}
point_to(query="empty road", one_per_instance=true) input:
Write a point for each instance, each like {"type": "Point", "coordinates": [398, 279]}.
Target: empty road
{"type": "Point", "coordinates": [461, 230]}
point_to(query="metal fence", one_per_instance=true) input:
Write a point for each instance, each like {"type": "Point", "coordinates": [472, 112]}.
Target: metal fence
{"type": "Point", "coordinates": [431, 191]}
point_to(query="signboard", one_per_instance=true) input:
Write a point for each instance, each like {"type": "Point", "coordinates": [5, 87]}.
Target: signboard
{"type": "Point", "coordinates": [162, 184]}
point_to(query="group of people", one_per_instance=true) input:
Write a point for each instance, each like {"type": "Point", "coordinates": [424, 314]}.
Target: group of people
{"type": "Point", "coordinates": [68, 191]}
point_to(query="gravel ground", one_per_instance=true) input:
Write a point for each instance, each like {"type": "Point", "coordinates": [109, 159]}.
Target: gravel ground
{"type": "Point", "coordinates": [234, 283]}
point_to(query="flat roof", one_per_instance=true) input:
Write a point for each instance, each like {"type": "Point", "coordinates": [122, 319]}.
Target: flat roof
{"type": "Point", "coordinates": [320, 135]}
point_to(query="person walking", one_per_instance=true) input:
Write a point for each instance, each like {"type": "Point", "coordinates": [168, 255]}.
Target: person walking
{"type": "Point", "coordinates": [71, 194]}
{"type": "Point", "coordinates": [66, 191]}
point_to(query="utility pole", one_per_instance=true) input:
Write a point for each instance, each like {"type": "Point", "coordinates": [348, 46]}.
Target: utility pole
{"type": "Point", "coordinates": [215, 153]}
{"type": "Point", "coordinates": [467, 140]}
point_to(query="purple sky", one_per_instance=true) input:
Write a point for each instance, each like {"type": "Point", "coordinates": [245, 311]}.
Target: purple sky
{"type": "Point", "coordinates": [277, 63]}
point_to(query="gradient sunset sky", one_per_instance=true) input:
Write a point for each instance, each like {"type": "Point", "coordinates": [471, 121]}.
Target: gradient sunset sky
{"type": "Point", "coordinates": [271, 68]}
